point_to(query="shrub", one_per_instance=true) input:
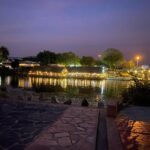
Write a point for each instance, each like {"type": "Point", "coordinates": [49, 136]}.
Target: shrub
{"type": "Point", "coordinates": [137, 94]}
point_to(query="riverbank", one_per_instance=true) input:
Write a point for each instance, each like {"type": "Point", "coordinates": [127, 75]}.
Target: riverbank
{"type": "Point", "coordinates": [29, 96]}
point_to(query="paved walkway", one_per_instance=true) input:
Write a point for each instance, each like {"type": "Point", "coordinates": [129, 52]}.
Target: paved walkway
{"type": "Point", "coordinates": [33, 126]}
{"type": "Point", "coordinates": [134, 127]}
{"type": "Point", "coordinates": [59, 127]}
{"type": "Point", "coordinates": [74, 130]}
{"type": "Point", "coordinates": [129, 131]}
{"type": "Point", "coordinates": [20, 122]}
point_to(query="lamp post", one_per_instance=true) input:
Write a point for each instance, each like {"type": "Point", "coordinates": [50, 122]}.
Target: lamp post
{"type": "Point", "coordinates": [137, 60]}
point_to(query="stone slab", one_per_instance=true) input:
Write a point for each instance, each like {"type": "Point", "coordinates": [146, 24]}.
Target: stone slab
{"type": "Point", "coordinates": [75, 129]}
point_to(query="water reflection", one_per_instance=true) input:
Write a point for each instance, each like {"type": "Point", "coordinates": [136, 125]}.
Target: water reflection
{"type": "Point", "coordinates": [98, 88]}
{"type": "Point", "coordinates": [64, 83]}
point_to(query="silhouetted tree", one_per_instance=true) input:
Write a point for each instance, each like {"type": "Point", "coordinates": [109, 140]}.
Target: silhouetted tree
{"type": "Point", "coordinates": [46, 57]}
{"type": "Point", "coordinates": [30, 58]}
{"type": "Point", "coordinates": [4, 53]}
{"type": "Point", "coordinates": [112, 57]}
{"type": "Point", "coordinates": [15, 64]}
{"type": "Point", "coordinates": [87, 61]}
{"type": "Point", "coordinates": [68, 58]}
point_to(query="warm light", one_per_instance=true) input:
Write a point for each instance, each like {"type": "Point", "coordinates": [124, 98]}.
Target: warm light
{"type": "Point", "coordinates": [137, 57]}
{"type": "Point", "coordinates": [135, 71]}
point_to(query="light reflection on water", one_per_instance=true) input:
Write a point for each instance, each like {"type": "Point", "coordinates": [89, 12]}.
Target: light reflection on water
{"type": "Point", "coordinates": [64, 83]}
{"type": "Point", "coordinates": [97, 88]}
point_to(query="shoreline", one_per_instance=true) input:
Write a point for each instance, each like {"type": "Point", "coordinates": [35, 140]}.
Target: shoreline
{"type": "Point", "coordinates": [29, 96]}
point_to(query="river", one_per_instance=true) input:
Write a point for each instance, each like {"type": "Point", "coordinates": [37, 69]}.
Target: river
{"type": "Point", "coordinates": [103, 89]}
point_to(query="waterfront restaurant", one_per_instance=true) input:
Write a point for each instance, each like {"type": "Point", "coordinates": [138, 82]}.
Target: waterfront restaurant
{"type": "Point", "coordinates": [67, 72]}
{"type": "Point", "coordinates": [86, 72]}
{"type": "Point", "coordinates": [48, 71]}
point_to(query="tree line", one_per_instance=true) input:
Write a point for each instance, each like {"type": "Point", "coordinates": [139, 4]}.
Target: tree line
{"type": "Point", "coordinates": [111, 57]}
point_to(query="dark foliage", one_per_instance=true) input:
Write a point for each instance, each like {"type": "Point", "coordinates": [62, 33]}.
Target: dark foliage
{"type": "Point", "coordinates": [138, 94]}
{"type": "Point", "coordinates": [112, 57]}
{"type": "Point", "coordinates": [87, 61]}
{"type": "Point", "coordinates": [15, 64]}
{"type": "Point", "coordinates": [46, 57]}
{"type": "Point", "coordinates": [4, 53]}
{"type": "Point", "coordinates": [6, 71]}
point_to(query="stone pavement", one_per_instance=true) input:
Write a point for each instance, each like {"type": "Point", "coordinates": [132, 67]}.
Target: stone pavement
{"type": "Point", "coordinates": [133, 124]}
{"type": "Point", "coordinates": [138, 113]}
{"type": "Point", "coordinates": [43, 126]}
{"type": "Point", "coordinates": [74, 130]}
{"type": "Point", "coordinates": [39, 126]}
{"type": "Point", "coordinates": [20, 123]}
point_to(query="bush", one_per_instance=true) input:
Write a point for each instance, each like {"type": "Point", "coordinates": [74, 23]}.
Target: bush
{"type": "Point", "coordinates": [137, 94]}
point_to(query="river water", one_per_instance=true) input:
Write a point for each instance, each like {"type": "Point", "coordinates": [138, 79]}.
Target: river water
{"type": "Point", "coordinates": [103, 89]}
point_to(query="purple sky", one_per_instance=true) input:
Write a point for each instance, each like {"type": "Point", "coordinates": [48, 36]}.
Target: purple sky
{"type": "Point", "coordinates": [86, 27]}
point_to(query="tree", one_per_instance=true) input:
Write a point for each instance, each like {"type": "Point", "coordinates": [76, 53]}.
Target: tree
{"type": "Point", "coordinates": [87, 61]}
{"type": "Point", "coordinates": [68, 58]}
{"type": "Point", "coordinates": [4, 53]}
{"type": "Point", "coordinates": [46, 57]}
{"type": "Point", "coordinates": [112, 57]}
{"type": "Point", "coordinates": [30, 58]}
{"type": "Point", "coordinates": [99, 62]}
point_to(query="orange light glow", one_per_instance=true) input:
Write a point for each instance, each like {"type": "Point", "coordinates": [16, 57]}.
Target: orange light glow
{"type": "Point", "coordinates": [137, 57]}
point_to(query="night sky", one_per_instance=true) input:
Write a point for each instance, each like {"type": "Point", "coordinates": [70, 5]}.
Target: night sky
{"type": "Point", "coordinates": [86, 27]}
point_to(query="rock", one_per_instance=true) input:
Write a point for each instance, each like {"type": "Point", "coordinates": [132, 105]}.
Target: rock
{"type": "Point", "coordinates": [41, 97]}
{"type": "Point", "coordinates": [54, 100]}
{"type": "Point", "coordinates": [84, 102]}
{"type": "Point", "coordinates": [29, 98]}
{"type": "Point", "coordinates": [20, 97]}
{"type": "Point", "coordinates": [68, 102]}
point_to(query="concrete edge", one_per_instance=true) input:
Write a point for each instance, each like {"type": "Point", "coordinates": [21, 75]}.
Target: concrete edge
{"type": "Point", "coordinates": [114, 141]}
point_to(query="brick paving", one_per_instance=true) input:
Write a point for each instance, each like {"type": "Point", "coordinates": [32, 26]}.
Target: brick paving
{"type": "Point", "coordinates": [74, 130]}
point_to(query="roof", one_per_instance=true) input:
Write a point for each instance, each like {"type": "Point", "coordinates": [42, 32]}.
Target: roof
{"type": "Point", "coordinates": [48, 68]}
{"type": "Point", "coordinates": [70, 69]}
{"type": "Point", "coordinates": [84, 69]}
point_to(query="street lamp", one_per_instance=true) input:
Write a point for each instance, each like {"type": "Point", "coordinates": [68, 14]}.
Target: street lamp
{"type": "Point", "coordinates": [137, 60]}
